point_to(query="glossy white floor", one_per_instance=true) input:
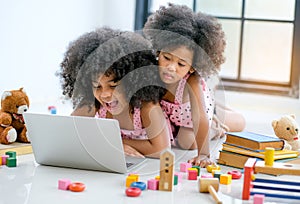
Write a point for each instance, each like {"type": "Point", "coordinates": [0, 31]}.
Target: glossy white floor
{"type": "Point", "coordinates": [34, 184]}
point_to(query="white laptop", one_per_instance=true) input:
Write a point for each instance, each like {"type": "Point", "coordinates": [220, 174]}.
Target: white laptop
{"type": "Point", "coordinates": [78, 142]}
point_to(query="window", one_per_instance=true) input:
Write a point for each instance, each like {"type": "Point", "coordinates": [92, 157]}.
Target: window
{"type": "Point", "coordinates": [263, 42]}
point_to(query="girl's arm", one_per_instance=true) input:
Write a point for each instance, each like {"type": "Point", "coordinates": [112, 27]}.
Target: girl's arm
{"type": "Point", "coordinates": [200, 121]}
{"type": "Point", "coordinates": [157, 131]}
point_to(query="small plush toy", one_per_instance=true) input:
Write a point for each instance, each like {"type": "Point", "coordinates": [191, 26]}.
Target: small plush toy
{"type": "Point", "coordinates": [12, 127]}
{"type": "Point", "coordinates": [286, 128]}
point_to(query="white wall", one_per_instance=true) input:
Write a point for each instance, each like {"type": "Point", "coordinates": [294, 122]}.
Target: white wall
{"type": "Point", "coordinates": [35, 33]}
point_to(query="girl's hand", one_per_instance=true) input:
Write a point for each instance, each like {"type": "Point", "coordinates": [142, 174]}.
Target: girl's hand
{"type": "Point", "coordinates": [130, 151]}
{"type": "Point", "coordinates": [201, 160]}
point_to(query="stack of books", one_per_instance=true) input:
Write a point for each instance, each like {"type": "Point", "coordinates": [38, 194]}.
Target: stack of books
{"type": "Point", "coordinates": [239, 146]}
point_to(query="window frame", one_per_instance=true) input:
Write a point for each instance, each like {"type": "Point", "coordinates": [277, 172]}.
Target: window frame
{"type": "Point", "coordinates": [290, 89]}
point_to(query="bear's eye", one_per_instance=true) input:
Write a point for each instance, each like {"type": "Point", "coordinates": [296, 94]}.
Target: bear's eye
{"type": "Point", "coordinates": [296, 130]}
{"type": "Point", "coordinates": [287, 128]}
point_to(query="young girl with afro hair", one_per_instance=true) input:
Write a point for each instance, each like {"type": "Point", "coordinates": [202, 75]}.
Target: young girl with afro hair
{"type": "Point", "coordinates": [111, 74]}
{"type": "Point", "coordinates": [189, 49]}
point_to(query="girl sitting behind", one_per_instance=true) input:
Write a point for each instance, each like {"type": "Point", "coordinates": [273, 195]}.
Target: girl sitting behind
{"type": "Point", "coordinates": [189, 49]}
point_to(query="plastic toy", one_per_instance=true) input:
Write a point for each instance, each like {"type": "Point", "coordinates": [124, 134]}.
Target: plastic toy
{"type": "Point", "coordinates": [13, 104]}
{"type": "Point", "coordinates": [76, 187]}
{"type": "Point", "coordinates": [139, 184]}
{"type": "Point", "coordinates": [235, 174]}
{"type": "Point", "coordinates": [210, 185]}
{"type": "Point", "coordinates": [133, 192]}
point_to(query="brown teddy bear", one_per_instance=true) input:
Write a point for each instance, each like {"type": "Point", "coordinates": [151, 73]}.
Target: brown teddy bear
{"type": "Point", "coordinates": [286, 128]}
{"type": "Point", "coordinates": [12, 127]}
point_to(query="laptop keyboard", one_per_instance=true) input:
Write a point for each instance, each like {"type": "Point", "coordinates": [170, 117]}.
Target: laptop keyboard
{"type": "Point", "coordinates": [128, 164]}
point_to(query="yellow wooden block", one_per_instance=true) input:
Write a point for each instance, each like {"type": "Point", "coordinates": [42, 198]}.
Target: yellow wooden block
{"type": "Point", "coordinates": [269, 156]}
{"type": "Point", "coordinates": [129, 180]}
{"type": "Point", "coordinates": [157, 178]}
{"type": "Point", "coordinates": [211, 167]}
{"type": "Point", "coordinates": [225, 179]}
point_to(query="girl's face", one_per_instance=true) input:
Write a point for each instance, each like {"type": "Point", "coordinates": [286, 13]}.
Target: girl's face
{"type": "Point", "coordinates": [110, 94]}
{"type": "Point", "coordinates": [174, 65]}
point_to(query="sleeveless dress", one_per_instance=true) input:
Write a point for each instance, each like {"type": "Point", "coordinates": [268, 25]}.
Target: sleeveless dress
{"type": "Point", "coordinates": [179, 114]}
{"type": "Point", "coordinates": [139, 133]}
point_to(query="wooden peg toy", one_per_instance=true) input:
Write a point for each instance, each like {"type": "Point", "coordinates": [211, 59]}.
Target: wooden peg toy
{"type": "Point", "coordinates": [166, 181]}
{"type": "Point", "coordinates": [210, 185]}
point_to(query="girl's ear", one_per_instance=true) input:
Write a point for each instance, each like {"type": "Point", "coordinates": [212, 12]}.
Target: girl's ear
{"type": "Point", "coordinates": [192, 70]}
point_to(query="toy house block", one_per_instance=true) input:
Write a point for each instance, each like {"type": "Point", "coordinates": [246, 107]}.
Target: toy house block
{"type": "Point", "coordinates": [192, 174]}
{"type": "Point", "coordinates": [179, 175]}
{"type": "Point", "coordinates": [152, 184]}
{"type": "Point", "coordinates": [258, 199]}
{"type": "Point", "coordinates": [211, 167]}
{"type": "Point", "coordinates": [166, 181]}
{"type": "Point", "coordinates": [184, 166]}
{"type": "Point", "coordinates": [63, 184]}
{"type": "Point", "coordinates": [225, 179]}
{"type": "Point", "coordinates": [11, 162]}
{"type": "Point", "coordinates": [11, 153]}
{"type": "Point", "coordinates": [130, 179]}
{"type": "Point", "coordinates": [4, 158]}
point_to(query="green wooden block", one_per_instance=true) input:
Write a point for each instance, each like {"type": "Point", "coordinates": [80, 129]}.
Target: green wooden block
{"type": "Point", "coordinates": [217, 174]}
{"type": "Point", "coordinates": [175, 180]}
{"type": "Point", "coordinates": [11, 154]}
{"type": "Point", "coordinates": [198, 168]}
{"type": "Point", "coordinates": [11, 162]}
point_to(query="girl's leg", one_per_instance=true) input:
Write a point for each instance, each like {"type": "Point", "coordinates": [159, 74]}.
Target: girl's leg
{"type": "Point", "coordinates": [186, 138]}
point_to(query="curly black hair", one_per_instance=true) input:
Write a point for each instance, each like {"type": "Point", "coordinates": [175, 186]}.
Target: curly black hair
{"type": "Point", "coordinates": [177, 25]}
{"type": "Point", "coordinates": [125, 55]}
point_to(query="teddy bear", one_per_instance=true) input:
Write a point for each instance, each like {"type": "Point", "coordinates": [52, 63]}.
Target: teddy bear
{"type": "Point", "coordinates": [286, 128]}
{"type": "Point", "coordinates": [12, 126]}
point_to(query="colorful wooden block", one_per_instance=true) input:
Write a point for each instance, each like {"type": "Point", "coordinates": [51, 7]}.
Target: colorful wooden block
{"type": "Point", "coordinates": [217, 174]}
{"type": "Point", "coordinates": [179, 175]}
{"type": "Point", "coordinates": [215, 171]}
{"type": "Point", "coordinates": [4, 158]}
{"type": "Point", "coordinates": [225, 179]}
{"type": "Point", "coordinates": [269, 156]}
{"type": "Point", "coordinates": [211, 167]}
{"type": "Point", "coordinates": [153, 184]}
{"type": "Point", "coordinates": [157, 177]}
{"type": "Point", "coordinates": [192, 174]}
{"type": "Point", "coordinates": [258, 199]}
{"type": "Point", "coordinates": [63, 184]}
{"type": "Point", "coordinates": [206, 176]}
{"type": "Point", "coordinates": [11, 153]}
{"type": "Point", "coordinates": [137, 176]}
{"type": "Point", "coordinates": [184, 166]}
{"type": "Point", "coordinates": [175, 180]}
{"type": "Point", "coordinates": [11, 162]}
{"type": "Point", "coordinates": [130, 179]}
{"type": "Point", "coordinates": [198, 169]}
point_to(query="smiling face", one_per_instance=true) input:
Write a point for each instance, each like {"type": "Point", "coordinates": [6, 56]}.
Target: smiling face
{"type": "Point", "coordinates": [110, 94]}
{"type": "Point", "coordinates": [175, 64]}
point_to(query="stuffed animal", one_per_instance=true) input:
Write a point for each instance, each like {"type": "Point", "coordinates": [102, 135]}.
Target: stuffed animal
{"type": "Point", "coordinates": [286, 128]}
{"type": "Point", "coordinates": [12, 127]}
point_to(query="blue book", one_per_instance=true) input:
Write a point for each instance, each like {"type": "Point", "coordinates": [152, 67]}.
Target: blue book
{"type": "Point", "coordinates": [254, 141]}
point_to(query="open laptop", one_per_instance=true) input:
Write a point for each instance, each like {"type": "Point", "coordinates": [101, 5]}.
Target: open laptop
{"type": "Point", "coordinates": [78, 142]}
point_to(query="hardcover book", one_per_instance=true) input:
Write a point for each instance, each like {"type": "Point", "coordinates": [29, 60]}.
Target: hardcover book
{"type": "Point", "coordinates": [253, 141]}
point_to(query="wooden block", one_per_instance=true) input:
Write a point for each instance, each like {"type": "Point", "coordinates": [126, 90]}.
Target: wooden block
{"type": "Point", "coordinates": [63, 184]}
{"type": "Point", "coordinates": [277, 168]}
{"type": "Point", "coordinates": [211, 167]}
{"type": "Point", "coordinates": [152, 184]}
{"type": "Point", "coordinates": [198, 169]}
{"type": "Point", "coordinates": [11, 162]}
{"type": "Point", "coordinates": [4, 158]}
{"type": "Point", "coordinates": [269, 156]}
{"type": "Point", "coordinates": [166, 181]}
{"type": "Point", "coordinates": [184, 166]}
{"type": "Point", "coordinates": [248, 172]}
{"type": "Point", "coordinates": [258, 199]}
{"type": "Point", "coordinates": [130, 179]}
{"type": "Point", "coordinates": [192, 174]}
{"type": "Point", "coordinates": [225, 179]}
